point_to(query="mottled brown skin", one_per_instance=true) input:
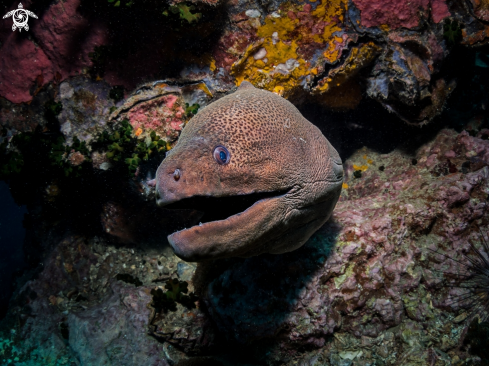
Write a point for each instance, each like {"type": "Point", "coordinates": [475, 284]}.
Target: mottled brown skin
{"type": "Point", "coordinates": [273, 148]}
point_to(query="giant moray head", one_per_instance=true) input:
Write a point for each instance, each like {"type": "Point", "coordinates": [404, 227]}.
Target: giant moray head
{"type": "Point", "coordinates": [258, 172]}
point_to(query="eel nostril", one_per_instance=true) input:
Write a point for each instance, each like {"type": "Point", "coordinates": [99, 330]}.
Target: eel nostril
{"type": "Point", "coordinates": [337, 169]}
{"type": "Point", "coordinates": [176, 174]}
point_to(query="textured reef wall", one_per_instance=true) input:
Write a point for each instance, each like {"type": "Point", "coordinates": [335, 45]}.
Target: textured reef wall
{"type": "Point", "coordinates": [366, 288]}
{"type": "Point", "coordinates": [60, 45]}
{"type": "Point", "coordinates": [328, 50]}
{"type": "Point", "coordinates": [96, 93]}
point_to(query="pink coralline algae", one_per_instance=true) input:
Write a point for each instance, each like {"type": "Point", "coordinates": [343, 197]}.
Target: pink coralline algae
{"type": "Point", "coordinates": [57, 30]}
{"type": "Point", "coordinates": [25, 65]}
{"type": "Point", "coordinates": [21, 62]}
{"type": "Point", "coordinates": [396, 14]}
{"type": "Point", "coordinates": [439, 10]}
{"type": "Point", "coordinates": [368, 269]}
{"type": "Point", "coordinates": [163, 115]}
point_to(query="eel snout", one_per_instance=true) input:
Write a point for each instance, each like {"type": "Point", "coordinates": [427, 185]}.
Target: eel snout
{"type": "Point", "coordinates": [219, 218]}
{"type": "Point", "coordinates": [229, 226]}
{"type": "Point", "coordinates": [175, 181]}
{"type": "Point", "coordinates": [222, 215]}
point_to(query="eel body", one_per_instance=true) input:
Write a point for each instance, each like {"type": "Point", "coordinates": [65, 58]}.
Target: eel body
{"type": "Point", "coordinates": [263, 177]}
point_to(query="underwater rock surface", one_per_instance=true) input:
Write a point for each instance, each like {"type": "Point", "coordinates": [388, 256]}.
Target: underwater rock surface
{"type": "Point", "coordinates": [96, 93]}
{"type": "Point", "coordinates": [322, 49]}
{"type": "Point", "coordinates": [365, 288]}
{"type": "Point", "coordinates": [53, 56]}
{"type": "Point", "coordinates": [369, 269]}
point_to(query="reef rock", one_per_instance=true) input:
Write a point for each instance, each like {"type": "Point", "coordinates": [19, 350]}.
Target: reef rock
{"type": "Point", "coordinates": [325, 49]}
{"type": "Point", "coordinates": [367, 287]}
{"type": "Point", "coordinates": [85, 106]}
{"type": "Point", "coordinates": [64, 39]}
{"type": "Point", "coordinates": [84, 308]}
{"type": "Point", "coordinates": [369, 273]}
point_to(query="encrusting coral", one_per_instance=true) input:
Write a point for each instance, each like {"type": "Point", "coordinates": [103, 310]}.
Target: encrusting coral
{"type": "Point", "coordinates": [293, 44]}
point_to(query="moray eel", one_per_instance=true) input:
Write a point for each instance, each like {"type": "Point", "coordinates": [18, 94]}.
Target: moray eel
{"type": "Point", "coordinates": [264, 178]}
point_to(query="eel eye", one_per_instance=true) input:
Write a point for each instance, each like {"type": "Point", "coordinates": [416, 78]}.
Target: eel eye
{"type": "Point", "coordinates": [222, 155]}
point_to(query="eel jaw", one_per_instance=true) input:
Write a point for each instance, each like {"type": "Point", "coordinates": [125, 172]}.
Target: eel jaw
{"type": "Point", "coordinates": [233, 235]}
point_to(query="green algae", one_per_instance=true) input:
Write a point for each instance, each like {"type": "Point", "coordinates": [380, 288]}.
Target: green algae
{"type": "Point", "coordinates": [151, 145]}
{"type": "Point", "coordinates": [41, 149]}
{"type": "Point", "coordinates": [185, 12]}
{"type": "Point", "coordinates": [122, 145]}
{"type": "Point", "coordinates": [176, 293]}
{"type": "Point", "coordinates": [60, 151]}
{"type": "Point", "coordinates": [116, 142]}
{"type": "Point", "coordinates": [452, 33]}
{"type": "Point", "coordinates": [52, 150]}
{"type": "Point", "coordinates": [133, 162]}
{"type": "Point", "coordinates": [191, 110]}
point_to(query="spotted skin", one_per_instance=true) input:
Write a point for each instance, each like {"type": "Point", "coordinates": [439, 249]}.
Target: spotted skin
{"type": "Point", "coordinates": [273, 148]}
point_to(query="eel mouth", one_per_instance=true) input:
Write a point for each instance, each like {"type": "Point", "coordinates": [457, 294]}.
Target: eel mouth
{"type": "Point", "coordinates": [213, 209]}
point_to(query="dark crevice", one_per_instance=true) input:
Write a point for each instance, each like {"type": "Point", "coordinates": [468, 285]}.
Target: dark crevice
{"type": "Point", "coordinates": [220, 208]}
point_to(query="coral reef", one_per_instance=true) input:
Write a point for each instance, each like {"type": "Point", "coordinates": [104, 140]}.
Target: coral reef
{"type": "Point", "coordinates": [367, 288]}
{"type": "Point", "coordinates": [96, 93]}
{"type": "Point", "coordinates": [177, 320]}
{"type": "Point", "coordinates": [397, 14]}
{"type": "Point", "coordinates": [358, 58]}
{"type": "Point", "coordinates": [21, 66]}
{"type": "Point", "coordinates": [162, 108]}
{"type": "Point", "coordinates": [164, 116]}
{"type": "Point", "coordinates": [77, 123]}
{"type": "Point", "coordinates": [293, 44]}
{"type": "Point", "coordinates": [369, 270]}
{"type": "Point", "coordinates": [63, 317]}
{"type": "Point", "coordinates": [85, 107]}
{"type": "Point", "coordinates": [292, 49]}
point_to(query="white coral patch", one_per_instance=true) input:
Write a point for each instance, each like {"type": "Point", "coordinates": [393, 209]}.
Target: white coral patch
{"type": "Point", "coordinates": [261, 53]}
{"type": "Point", "coordinates": [253, 13]}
